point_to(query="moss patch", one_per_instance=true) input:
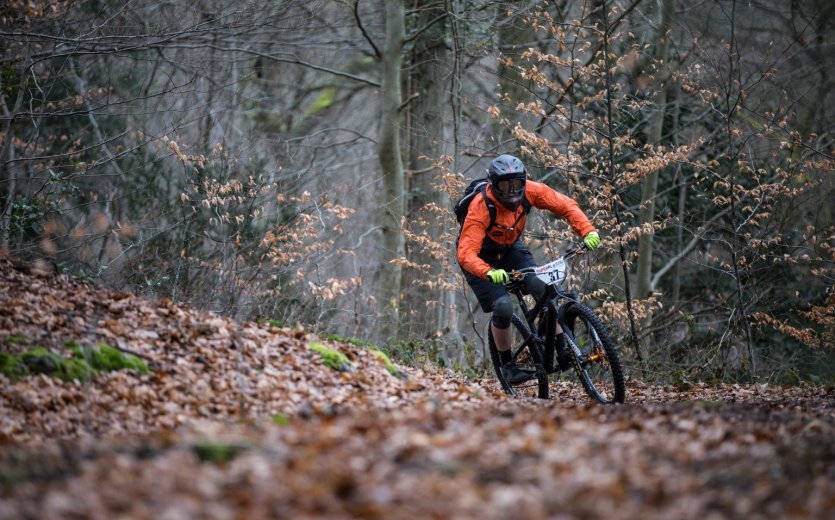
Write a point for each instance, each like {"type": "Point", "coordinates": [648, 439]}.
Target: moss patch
{"type": "Point", "coordinates": [108, 359]}
{"type": "Point", "coordinates": [280, 419]}
{"type": "Point", "coordinates": [12, 366]}
{"type": "Point", "coordinates": [324, 100]}
{"type": "Point", "coordinates": [83, 365]}
{"type": "Point", "coordinates": [374, 349]}
{"type": "Point", "coordinates": [391, 367]}
{"type": "Point", "coordinates": [332, 358]}
{"type": "Point", "coordinates": [216, 452]}
{"type": "Point", "coordinates": [15, 339]}
{"type": "Point", "coordinates": [275, 323]}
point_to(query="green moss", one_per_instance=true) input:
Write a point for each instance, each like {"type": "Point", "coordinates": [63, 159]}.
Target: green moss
{"type": "Point", "coordinates": [332, 358]}
{"type": "Point", "coordinates": [12, 366]}
{"type": "Point", "coordinates": [108, 359]}
{"type": "Point", "coordinates": [77, 369]}
{"type": "Point", "coordinates": [280, 419]}
{"type": "Point", "coordinates": [83, 365]}
{"type": "Point", "coordinates": [216, 452]}
{"type": "Point", "coordinates": [391, 367]}
{"type": "Point", "coordinates": [15, 339]}
{"type": "Point", "coordinates": [324, 100]}
{"type": "Point", "coordinates": [39, 360]}
{"type": "Point", "coordinates": [374, 349]}
{"type": "Point", "coordinates": [276, 323]}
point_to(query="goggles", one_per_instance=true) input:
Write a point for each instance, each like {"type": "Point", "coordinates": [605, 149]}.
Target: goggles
{"type": "Point", "coordinates": [510, 185]}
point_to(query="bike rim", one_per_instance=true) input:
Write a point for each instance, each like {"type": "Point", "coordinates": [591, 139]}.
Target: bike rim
{"type": "Point", "coordinates": [591, 362]}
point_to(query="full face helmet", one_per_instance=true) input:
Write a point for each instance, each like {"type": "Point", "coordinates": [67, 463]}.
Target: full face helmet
{"type": "Point", "coordinates": [507, 178]}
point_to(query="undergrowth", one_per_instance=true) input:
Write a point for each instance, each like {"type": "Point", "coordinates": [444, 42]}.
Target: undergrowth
{"type": "Point", "coordinates": [83, 363]}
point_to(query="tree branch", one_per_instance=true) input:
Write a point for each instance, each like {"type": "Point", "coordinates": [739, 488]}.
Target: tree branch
{"type": "Point", "coordinates": [684, 252]}
{"type": "Point", "coordinates": [363, 31]}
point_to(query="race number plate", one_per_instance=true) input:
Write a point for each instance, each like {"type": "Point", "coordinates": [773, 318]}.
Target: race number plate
{"type": "Point", "coordinates": [552, 272]}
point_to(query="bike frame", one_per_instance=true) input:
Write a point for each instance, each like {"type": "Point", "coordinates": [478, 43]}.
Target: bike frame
{"type": "Point", "coordinates": [545, 307]}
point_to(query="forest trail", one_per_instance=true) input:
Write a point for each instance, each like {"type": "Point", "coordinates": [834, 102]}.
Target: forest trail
{"type": "Point", "coordinates": [246, 421]}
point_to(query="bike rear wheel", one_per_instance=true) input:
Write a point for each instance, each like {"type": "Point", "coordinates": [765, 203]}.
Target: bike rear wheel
{"type": "Point", "coordinates": [528, 356]}
{"type": "Point", "coordinates": [594, 356]}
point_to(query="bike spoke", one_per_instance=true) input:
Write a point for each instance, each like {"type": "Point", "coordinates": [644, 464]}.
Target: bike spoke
{"type": "Point", "coordinates": [597, 365]}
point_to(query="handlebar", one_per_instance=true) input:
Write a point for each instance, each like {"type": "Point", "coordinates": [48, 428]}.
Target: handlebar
{"type": "Point", "coordinates": [519, 274]}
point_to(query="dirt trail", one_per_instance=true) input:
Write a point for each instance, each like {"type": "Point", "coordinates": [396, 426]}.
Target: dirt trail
{"type": "Point", "coordinates": [245, 421]}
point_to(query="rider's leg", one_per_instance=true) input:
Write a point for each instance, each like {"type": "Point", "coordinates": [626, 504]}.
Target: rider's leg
{"type": "Point", "coordinates": [503, 338]}
{"type": "Point", "coordinates": [500, 326]}
{"type": "Point", "coordinates": [494, 298]}
{"type": "Point", "coordinates": [537, 288]}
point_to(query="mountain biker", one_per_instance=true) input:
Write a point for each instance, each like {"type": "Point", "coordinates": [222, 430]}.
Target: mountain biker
{"type": "Point", "coordinates": [486, 252]}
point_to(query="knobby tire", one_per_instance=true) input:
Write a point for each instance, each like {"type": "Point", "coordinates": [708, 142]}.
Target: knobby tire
{"type": "Point", "coordinates": [602, 378]}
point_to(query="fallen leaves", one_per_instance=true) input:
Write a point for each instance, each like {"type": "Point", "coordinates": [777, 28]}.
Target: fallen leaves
{"type": "Point", "coordinates": [204, 365]}
{"type": "Point", "coordinates": [493, 461]}
{"type": "Point", "coordinates": [244, 420]}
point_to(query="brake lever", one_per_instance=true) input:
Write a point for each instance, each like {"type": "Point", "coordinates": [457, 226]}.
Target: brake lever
{"type": "Point", "coordinates": [577, 250]}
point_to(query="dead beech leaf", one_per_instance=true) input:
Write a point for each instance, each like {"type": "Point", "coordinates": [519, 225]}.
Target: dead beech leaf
{"type": "Point", "coordinates": [282, 435]}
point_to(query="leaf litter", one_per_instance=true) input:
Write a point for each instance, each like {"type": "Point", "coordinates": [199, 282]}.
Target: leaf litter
{"type": "Point", "coordinates": [244, 420]}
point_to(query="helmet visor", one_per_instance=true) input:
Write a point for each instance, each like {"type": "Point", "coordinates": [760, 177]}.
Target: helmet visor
{"type": "Point", "coordinates": [510, 187]}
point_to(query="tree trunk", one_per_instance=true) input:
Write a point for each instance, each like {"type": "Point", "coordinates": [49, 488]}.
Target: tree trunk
{"type": "Point", "coordinates": [426, 118]}
{"type": "Point", "coordinates": [616, 202]}
{"type": "Point", "coordinates": [733, 97]}
{"type": "Point", "coordinates": [8, 166]}
{"type": "Point", "coordinates": [450, 315]}
{"type": "Point", "coordinates": [654, 134]}
{"type": "Point", "coordinates": [391, 164]}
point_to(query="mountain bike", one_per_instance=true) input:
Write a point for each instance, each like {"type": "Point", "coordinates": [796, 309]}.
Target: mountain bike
{"type": "Point", "coordinates": [584, 345]}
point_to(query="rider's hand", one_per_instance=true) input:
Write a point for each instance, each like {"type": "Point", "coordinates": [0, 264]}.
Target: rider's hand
{"type": "Point", "coordinates": [592, 240]}
{"type": "Point", "coordinates": [498, 276]}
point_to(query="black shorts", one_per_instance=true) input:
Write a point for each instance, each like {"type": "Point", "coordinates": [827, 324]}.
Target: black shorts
{"type": "Point", "coordinates": [516, 257]}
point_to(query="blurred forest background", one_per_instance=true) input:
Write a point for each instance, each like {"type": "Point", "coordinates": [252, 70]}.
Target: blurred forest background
{"type": "Point", "coordinates": [296, 160]}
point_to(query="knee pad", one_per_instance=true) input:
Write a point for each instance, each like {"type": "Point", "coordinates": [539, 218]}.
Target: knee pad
{"type": "Point", "coordinates": [502, 312]}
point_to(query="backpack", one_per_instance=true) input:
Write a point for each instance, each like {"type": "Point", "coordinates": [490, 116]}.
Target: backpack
{"type": "Point", "coordinates": [476, 187]}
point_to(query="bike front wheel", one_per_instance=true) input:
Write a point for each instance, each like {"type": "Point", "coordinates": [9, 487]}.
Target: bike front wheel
{"type": "Point", "coordinates": [594, 356]}
{"type": "Point", "coordinates": [527, 356]}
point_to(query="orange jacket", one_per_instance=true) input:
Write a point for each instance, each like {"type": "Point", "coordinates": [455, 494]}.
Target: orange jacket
{"type": "Point", "coordinates": [503, 232]}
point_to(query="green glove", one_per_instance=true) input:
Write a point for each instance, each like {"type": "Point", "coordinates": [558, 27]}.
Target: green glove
{"type": "Point", "coordinates": [498, 276]}
{"type": "Point", "coordinates": [592, 240]}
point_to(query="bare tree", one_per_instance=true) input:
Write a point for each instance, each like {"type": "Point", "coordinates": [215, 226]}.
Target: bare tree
{"type": "Point", "coordinates": [426, 116]}
{"type": "Point", "coordinates": [654, 136]}
{"type": "Point", "coordinates": [391, 163]}
{"type": "Point", "coordinates": [250, 159]}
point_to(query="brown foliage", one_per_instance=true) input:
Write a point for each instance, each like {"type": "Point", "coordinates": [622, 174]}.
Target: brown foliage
{"type": "Point", "coordinates": [195, 437]}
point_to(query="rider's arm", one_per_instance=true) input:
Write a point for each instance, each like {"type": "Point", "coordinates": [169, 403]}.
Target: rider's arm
{"type": "Point", "coordinates": [544, 197]}
{"type": "Point", "coordinates": [472, 236]}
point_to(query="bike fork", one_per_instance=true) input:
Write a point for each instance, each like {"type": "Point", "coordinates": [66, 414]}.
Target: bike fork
{"type": "Point", "coordinates": [575, 349]}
